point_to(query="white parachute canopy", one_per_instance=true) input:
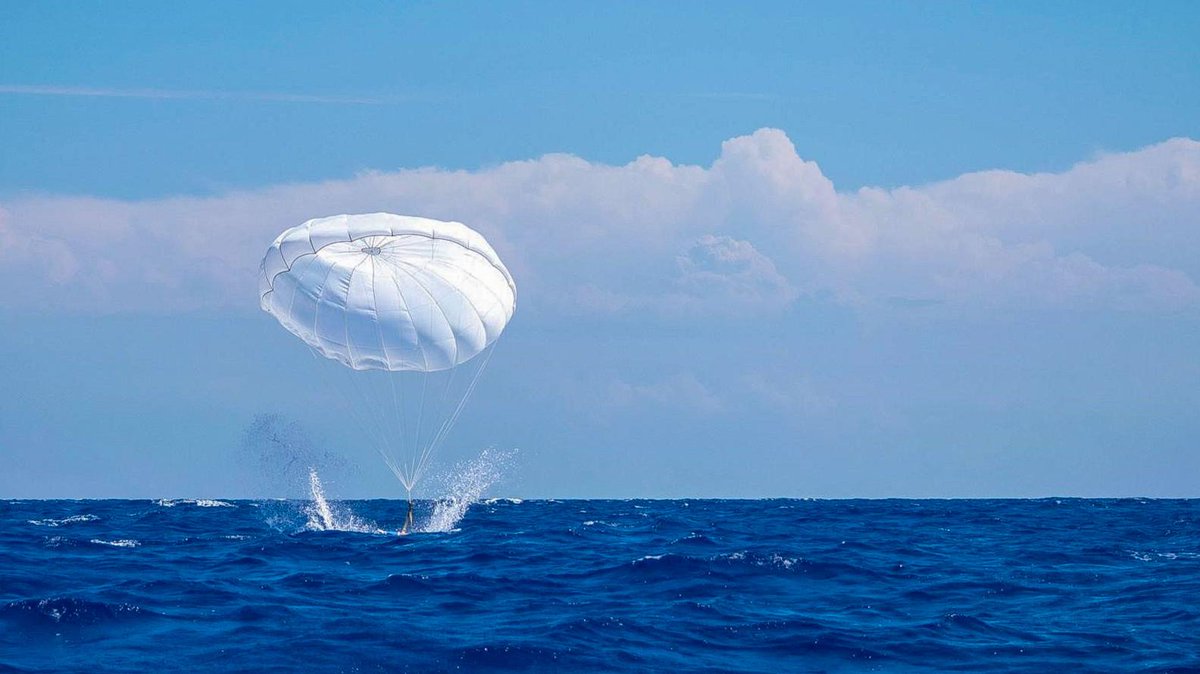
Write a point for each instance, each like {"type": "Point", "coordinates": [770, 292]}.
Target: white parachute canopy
{"type": "Point", "coordinates": [403, 304]}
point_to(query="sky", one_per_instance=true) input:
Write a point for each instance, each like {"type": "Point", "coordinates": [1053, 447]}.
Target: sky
{"type": "Point", "coordinates": [788, 249]}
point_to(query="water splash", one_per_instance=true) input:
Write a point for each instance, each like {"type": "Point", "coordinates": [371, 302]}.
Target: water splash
{"type": "Point", "coordinates": [278, 450]}
{"type": "Point", "coordinates": [464, 486]}
{"type": "Point", "coordinates": [326, 516]}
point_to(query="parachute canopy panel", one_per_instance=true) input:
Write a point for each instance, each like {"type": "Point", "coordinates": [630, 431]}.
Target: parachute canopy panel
{"type": "Point", "coordinates": [388, 292]}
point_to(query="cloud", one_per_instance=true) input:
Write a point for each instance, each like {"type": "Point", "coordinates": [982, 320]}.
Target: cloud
{"type": "Point", "coordinates": [715, 276]}
{"type": "Point", "coordinates": [748, 234]}
{"type": "Point", "coordinates": [786, 393]}
{"type": "Point", "coordinates": [682, 392]}
{"type": "Point", "coordinates": [730, 392]}
{"type": "Point", "coordinates": [720, 274]}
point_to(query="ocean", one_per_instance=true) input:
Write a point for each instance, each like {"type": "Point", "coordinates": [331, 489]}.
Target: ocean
{"type": "Point", "coordinates": [1047, 585]}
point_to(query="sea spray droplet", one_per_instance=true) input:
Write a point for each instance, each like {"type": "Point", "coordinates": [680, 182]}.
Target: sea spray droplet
{"type": "Point", "coordinates": [465, 486]}
{"type": "Point", "coordinates": [324, 516]}
{"type": "Point", "coordinates": [320, 515]}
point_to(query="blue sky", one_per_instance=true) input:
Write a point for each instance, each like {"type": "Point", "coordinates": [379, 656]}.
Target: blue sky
{"type": "Point", "coordinates": [878, 249]}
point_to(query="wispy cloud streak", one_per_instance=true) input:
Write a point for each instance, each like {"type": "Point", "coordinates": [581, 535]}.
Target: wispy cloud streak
{"type": "Point", "coordinates": [734, 96]}
{"type": "Point", "coordinates": [195, 94]}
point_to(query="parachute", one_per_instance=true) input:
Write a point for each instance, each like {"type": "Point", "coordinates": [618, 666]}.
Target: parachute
{"type": "Point", "coordinates": [408, 310]}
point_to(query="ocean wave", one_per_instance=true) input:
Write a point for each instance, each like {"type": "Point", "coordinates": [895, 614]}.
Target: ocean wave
{"type": "Point", "coordinates": [69, 610]}
{"type": "Point", "coordinates": [58, 542]}
{"type": "Point", "coordinates": [254, 613]}
{"type": "Point", "coordinates": [509, 656]}
{"type": "Point", "coordinates": [402, 582]}
{"type": "Point", "coordinates": [1152, 556]}
{"type": "Point", "coordinates": [742, 563]}
{"type": "Point", "coordinates": [118, 543]}
{"type": "Point", "coordinates": [199, 503]}
{"type": "Point", "coordinates": [74, 519]}
{"type": "Point", "coordinates": [693, 539]}
{"type": "Point", "coordinates": [600, 523]}
{"type": "Point", "coordinates": [774, 560]}
{"type": "Point", "coordinates": [606, 586]}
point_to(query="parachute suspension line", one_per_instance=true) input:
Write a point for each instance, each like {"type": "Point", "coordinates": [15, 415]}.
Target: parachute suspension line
{"type": "Point", "coordinates": [359, 420]}
{"type": "Point", "coordinates": [417, 428]}
{"type": "Point", "coordinates": [443, 403]}
{"type": "Point", "coordinates": [398, 418]}
{"type": "Point", "coordinates": [398, 472]}
{"type": "Point", "coordinates": [367, 406]}
{"type": "Point", "coordinates": [357, 408]}
{"type": "Point", "coordinates": [449, 422]}
{"type": "Point", "coordinates": [462, 403]}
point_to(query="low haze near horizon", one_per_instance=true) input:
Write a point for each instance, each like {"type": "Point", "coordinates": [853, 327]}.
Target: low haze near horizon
{"type": "Point", "coordinates": [866, 251]}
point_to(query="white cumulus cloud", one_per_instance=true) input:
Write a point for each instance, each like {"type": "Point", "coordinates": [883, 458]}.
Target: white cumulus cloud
{"type": "Point", "coordinates": [751, 232]}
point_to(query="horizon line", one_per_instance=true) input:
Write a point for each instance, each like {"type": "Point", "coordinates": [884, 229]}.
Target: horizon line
{"type": "Point", "coordinates": [637, 498]}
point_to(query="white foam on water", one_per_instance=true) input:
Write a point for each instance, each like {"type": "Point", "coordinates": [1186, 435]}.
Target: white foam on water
{"type": "Point", "coordinates": [66, 520]}
{"type": "Point", "coordinates": [199, 503]}
{"type": "Point", "coordinates": [119, 543]}
{"type": "Point", "coordinates": [602, 523]}
{"type": "Point", "coordinates": [465, 486]}
{"type": "Point", "coordinates": [326, 516]}
{"type": "Point", "coordinates": [776, 559]}
{"type": "Point", "coordinates": [1151, 556]}
{"type": "Point", "coordinates": [783, 562]}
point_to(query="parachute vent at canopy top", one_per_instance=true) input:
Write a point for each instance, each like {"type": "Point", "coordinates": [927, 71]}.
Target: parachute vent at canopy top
{"type": "Point", "coordinates": [388, 292]}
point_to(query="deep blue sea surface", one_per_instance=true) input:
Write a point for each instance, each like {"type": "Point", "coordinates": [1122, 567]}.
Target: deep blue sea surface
{"type": "Point", "coordinates": [574, 586]}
